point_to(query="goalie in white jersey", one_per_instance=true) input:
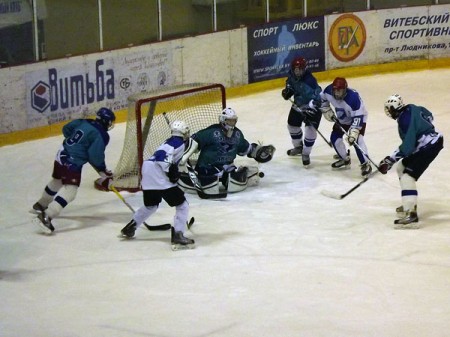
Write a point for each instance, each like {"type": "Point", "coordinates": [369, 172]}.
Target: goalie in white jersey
{"type": "Point", "coordinates": [350, 119]}
{"type": "Point", "coordinates": [159, 181]}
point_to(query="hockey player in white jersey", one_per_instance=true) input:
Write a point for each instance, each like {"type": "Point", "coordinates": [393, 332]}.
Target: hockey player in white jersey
{"type": "Point", "coordinates": [351, 117]}
{"type": "Point", "coordinates": [159, 181]}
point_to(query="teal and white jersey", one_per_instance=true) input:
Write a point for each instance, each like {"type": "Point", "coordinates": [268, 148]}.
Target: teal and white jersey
{"type": "Point", "coordinates": [416, 130]}
{"type": "Point", "coordinates": [85, 142]}
{"type": "Point", "coordinates": [216, 149]}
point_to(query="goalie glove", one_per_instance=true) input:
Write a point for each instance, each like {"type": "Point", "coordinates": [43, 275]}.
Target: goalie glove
{"type": "Point", "coordinates": [261, 153]}
{"type": "Point", "coordinates": [386, 164]}
{"type": "Point", "coordinates": [287, 93]}
{"type": "Point", "coordinates": [352, 137]}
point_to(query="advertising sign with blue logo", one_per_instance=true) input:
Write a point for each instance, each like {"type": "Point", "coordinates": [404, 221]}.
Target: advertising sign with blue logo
{"type": "Point", "coordinates": [78, 89]}
{"type": "Point", "coordinates": [272, 47]}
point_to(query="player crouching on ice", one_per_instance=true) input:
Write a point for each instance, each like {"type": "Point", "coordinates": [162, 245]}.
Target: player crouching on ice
{"type": "Point", "coordinates": [215, 173]}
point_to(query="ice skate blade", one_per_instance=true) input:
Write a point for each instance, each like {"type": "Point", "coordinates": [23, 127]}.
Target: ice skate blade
{"type": "Point", "coordinates": [413, 225]}
{"type": "Point", "coordinates": [44, 228]}
{"type": "Point", "coordinates": [177, 246]}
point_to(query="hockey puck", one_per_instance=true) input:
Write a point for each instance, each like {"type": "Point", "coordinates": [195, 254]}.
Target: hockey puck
{"type": "Point", "coordinates": [261, 174]}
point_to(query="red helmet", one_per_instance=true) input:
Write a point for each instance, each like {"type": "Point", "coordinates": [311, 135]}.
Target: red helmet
{"type": "Point", "coordinates": [339, 88]}
{"type": "Point", "coordinates": [298, 62]}
{"type": "Point", "coordinates": [298, 66]}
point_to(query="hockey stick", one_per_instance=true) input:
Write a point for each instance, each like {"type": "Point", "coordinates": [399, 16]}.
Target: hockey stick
{"type": "Point", "coordinates": [163, 227]}
{"type": "Point", "coordinates": [297, 108]}
{"type": "Point", "coordinates": [337, 196]}
{"type": "Point", "coordinates": [355, 143]}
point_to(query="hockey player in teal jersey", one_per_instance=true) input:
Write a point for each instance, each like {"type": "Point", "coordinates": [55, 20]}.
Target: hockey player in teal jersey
{"type": "Point", "coordinates": [85, 142]}
{"type": "Point", "coordinates": [303, 87]}
{"type": "Point", "coordinates": [421, 144]}
{"type": "Point", "coordinates": [219, 145]}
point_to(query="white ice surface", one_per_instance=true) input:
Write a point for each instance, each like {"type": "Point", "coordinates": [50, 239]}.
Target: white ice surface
{"type": "Point", "coordinates": [280, 259]}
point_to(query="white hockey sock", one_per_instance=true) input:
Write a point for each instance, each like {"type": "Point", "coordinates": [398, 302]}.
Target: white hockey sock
{"type": "Point", "coordinates": [296, 133]}
{"type": "Point", "coordinates": [143, 213]}
{"type": "Point", "coordinates": [409, 192]}
{"type": "Point", "coordinates": [66, 194]}
{"type": "Point", "coordinates": [181, 216]}
{"type": "Point", "coordinates": [49, 192]}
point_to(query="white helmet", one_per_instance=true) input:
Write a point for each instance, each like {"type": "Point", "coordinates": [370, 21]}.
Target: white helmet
{"type": "Point", "coordinates": [228, 120]}
{"type": "Point", "coordinates": [393, 106]}
{"type": "Point", "coordinates": [179, 128]}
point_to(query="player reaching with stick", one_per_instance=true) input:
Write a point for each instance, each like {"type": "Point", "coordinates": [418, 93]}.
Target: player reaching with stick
{"type": "Point", "coordinates": [159, 181]}
{"type": "Point", "coordinates": [85, 142]}
{"type": "Point", "coordinates": [351, 118]}
{"type": "Point", "coordinates": [421, 144]}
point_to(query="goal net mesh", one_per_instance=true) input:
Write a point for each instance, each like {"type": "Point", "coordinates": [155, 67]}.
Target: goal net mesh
{"type": "Point", "coordinates": [199, 105]}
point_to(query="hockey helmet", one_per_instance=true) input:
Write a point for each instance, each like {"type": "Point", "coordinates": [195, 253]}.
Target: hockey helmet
{"type": "Point", "coordinates": [106, 118]}
{"type": "Point", "coordinates": [180, 129]}
{"type": "Point", "coordinates": [228, 120]}
{"type": "Point", "coordinates": [339, 88]}
{"type": "Point", "coordinates": [394, 106]}
{"type": "Point", "coordinates": [298, 66]}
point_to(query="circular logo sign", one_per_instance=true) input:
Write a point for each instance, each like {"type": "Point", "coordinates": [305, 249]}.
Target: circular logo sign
{"type": "Point", "coordinates": [347, 37]}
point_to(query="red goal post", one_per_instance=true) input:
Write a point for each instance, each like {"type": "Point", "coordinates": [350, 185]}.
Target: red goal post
{"type": "Point", "coordinates": [199, 105]}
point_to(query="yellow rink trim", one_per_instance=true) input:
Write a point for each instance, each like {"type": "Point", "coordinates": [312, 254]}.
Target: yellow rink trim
{"type": "Point", "coordinates": [245, 90]}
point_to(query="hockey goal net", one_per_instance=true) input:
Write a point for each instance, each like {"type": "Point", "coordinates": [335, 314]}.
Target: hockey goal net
{"type": "Point", "coordinates": [199, 105]}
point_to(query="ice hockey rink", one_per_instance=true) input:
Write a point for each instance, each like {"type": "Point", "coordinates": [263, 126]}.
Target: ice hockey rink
{"type": "Point", "coordinates": [280, 259]}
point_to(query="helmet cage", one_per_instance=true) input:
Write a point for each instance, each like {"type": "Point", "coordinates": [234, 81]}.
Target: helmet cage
{"type": "Point", "coordinates": [394, 106]}
{"type": "Point", "coordinates": [339, 88]}
{"type": "Point", "coordinates": [228, 120]}
{"type": "Point", "coordinates": [180, 129]}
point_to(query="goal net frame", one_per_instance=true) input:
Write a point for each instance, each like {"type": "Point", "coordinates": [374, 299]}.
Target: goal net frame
{"type": "Point", "coordinates": [198, 104]}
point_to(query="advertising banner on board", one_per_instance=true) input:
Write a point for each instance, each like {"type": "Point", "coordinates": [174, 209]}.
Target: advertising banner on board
{"type": "Point", "coordinates": [272, 47]}
{"type": "Point", "coordinates": [78, 89]}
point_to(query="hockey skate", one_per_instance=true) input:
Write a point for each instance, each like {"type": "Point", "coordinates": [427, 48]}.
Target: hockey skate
{"type": "Point", "coordinates": [366, 169]}
{"type": "Point", "coordinates": [129, 230]}
{"type": "Point", "coordinates": [342, 163]}
{"type": "Point", "coordinates": [37, 208]}
{"type": "Point", "coordinates": [401, 212]}
{"type": "Point", "coordinates": [306, 160]}
{"type": "Point", "coordinates": [409, 221]}
{"type": "Point", "coordinates": [44, 221]}
{"type": "Point", "coordinates": [180, 242]}
{"type": "Point", "coordinates": [296, 151]}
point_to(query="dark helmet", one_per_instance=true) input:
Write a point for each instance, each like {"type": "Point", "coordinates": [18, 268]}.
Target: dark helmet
{"type": "Point", "coordinates": [339, 88]}
{"type": "Point", "coordinates": [298, 66]}
{"type": "Point", "coordinates": [106, 118]}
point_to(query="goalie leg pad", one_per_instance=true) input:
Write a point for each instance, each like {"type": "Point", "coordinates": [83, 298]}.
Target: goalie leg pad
{"type": "Point", "coordinates": [238, 180]}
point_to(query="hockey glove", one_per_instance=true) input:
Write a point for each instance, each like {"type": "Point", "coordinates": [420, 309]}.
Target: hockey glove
{"type": "Point", "coordinates": [105, 181]}
{"type": "Point", "coordinates": [287, 93]}
{"type": "Point", "coordinates": [386, 164]}
{"type": "Point", "coordinates": [261, 153]}
{"type": "Point", "coordinates": [173, 173]}
{"type": "Point", "coordinates": [314, 104]}
{"type": "Point", "coordinates": [353, 135]}
{"type": "Point", "coordinates": [328, 114]}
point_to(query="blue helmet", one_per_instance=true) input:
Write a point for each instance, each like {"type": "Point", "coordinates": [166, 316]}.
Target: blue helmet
{"type": "Point", "coordinates": [106, 118]}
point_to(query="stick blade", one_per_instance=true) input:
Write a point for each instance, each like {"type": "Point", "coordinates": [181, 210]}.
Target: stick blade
{"type": "Point", "coordinates": [332, 195]}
